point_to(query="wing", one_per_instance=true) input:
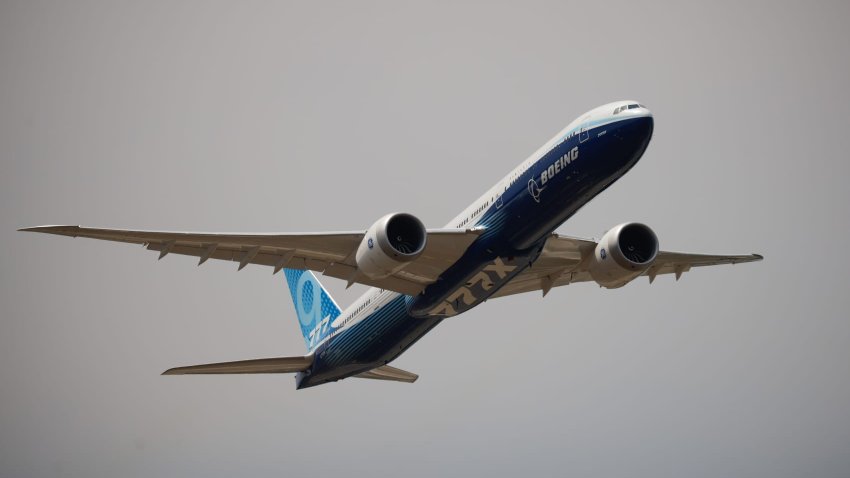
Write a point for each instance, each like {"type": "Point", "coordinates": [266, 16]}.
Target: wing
{"type": "Point", "coordinates": [562, 262]}
{"type": "Point", "coordinates": [330, 253]}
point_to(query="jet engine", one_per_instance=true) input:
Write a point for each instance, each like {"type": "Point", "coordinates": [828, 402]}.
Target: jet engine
{"type": "Point", "coordinates": [390, 244]}
{"type": "Point", "coordinates": [622, 254]}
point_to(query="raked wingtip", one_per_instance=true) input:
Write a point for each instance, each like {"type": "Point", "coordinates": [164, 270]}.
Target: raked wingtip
{"type": "Point", "coordinates": [61, 230]}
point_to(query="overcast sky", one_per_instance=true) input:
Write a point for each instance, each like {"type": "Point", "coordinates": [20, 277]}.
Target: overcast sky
{"type": "Point", "coordinates": [284, 117]}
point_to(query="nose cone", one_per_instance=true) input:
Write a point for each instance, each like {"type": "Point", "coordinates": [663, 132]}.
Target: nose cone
{"type": "Point", "coordinates": [632, 119]}
{"type": "Point", "coordinates": [644, 124]}
{"type": "Point", "coordinates": [633, 135]}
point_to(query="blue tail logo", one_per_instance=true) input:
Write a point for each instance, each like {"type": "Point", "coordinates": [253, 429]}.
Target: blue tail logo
{"type": "Point", "coordinates": [315, 308]}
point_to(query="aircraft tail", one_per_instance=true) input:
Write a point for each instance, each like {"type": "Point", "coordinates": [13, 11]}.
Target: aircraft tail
{"type": "Point", "coordinates": [314, 306]}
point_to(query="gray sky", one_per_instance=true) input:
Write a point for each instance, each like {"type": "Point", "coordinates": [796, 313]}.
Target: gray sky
{"type": "Point", "coordinates": [264, 116]}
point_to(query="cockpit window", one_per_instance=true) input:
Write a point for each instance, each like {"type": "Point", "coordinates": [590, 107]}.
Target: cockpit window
{"type": "Point", "coordinates": [627, 107]}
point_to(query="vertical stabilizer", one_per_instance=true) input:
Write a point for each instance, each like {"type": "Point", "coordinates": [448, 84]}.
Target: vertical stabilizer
{"type": "Point", "coordinates": [315, 308]}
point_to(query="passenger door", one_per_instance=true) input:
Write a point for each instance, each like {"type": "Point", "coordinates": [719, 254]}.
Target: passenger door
{"type": "Point", "coordinates": [584, 134]}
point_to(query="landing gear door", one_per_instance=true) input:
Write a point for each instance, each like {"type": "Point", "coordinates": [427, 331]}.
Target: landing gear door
{"type": "Point", "coordinates": [584, 134]}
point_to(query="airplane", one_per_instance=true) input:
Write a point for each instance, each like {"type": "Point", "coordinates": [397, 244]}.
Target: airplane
{"type": "Point", "coordinates": [502, 244]}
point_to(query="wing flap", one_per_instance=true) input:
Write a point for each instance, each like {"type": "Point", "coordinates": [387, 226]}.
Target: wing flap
{"type": "Point", "coordinates": [396, 283]}
{"type": "Point", "coordinates": [266, 365]}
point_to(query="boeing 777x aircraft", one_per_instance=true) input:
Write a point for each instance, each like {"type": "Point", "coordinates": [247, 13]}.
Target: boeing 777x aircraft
{"type": "Point", "coordinates": [502, 244]}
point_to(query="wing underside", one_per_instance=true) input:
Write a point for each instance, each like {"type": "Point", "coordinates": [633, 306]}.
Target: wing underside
{"type": "Point", "coordinates": [329, 253]}
{"type": "Point", "coordinates": [563, 261]}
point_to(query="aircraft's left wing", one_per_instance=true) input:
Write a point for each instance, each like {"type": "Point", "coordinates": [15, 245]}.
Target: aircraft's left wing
{"type": "Point", "coordinates": [330, 253]}
{"type": "Point", "coordinates": [564, 261]}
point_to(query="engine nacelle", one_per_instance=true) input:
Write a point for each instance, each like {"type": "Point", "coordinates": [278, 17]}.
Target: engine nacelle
{"type": "Point", "coordinates": [622, 254]}
{"type": "Point", "coordinates": [390, 244]}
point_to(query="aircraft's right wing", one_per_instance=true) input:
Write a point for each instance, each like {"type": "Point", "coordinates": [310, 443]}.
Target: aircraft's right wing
{"type": "Point", "coordinates": [329, 253]}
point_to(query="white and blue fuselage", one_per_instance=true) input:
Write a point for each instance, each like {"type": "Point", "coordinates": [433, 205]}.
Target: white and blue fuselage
{"type": "Point", "coordinates": [517, 215]}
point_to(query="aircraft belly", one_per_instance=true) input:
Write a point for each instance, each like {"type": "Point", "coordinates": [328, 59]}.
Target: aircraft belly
{"type": "Point", "coordinates": [373, 342]}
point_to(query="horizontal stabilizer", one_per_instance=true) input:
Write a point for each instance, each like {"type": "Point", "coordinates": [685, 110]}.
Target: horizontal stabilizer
{"type": "Point", "coordinates": [267, 365]}
{"type": "Point", "coordinates": [389, 373]}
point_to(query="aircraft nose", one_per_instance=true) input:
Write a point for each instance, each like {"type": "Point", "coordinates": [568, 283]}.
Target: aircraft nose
{"type": "Point", "coordinates": [638, 127]}
{"type": "Point", "coordinates": [634, 136]}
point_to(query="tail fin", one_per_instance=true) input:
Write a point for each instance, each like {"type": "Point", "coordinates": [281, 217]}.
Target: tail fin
{"type": "Point", "coordinates": [315, 308]}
